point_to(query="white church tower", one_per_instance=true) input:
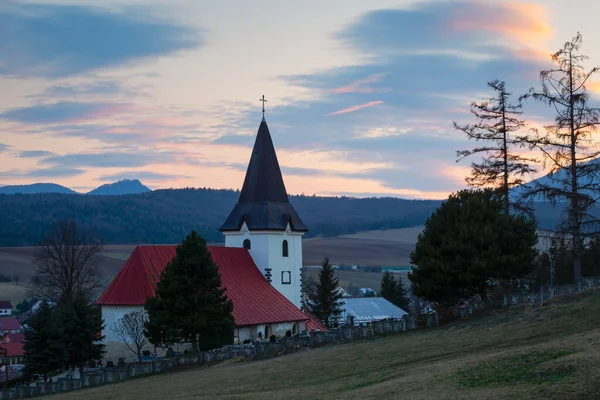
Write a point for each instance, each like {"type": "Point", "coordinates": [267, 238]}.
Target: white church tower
{"type": "Point", "coordinates": [264, 221]}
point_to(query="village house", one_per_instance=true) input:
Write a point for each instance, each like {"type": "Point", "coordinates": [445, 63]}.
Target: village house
{"type": "Point", "coordinates": [260, 264]}
{"type": "Point", "coordinates": [9, 325]}
{"type": "Point", "coordinates": [11, 353]}
{"type": "Point", "coordinates": [5, 308]}
{"type": "Point", "coordinates": [360, 310]}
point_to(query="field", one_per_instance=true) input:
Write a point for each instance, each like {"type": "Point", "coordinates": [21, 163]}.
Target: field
{"type": "Point", "coordinates": [548, 352]}
{"type": "Point", "coordinates": [388, 248]}
{"type": "Point", "coordinates": [13, 292]}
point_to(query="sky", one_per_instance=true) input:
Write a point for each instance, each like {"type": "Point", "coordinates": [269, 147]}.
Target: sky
{"type": "Point", "coordinates": [361, 95]}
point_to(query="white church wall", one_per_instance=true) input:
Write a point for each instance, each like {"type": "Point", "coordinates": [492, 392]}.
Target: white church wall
{"type": "Point", "coordinates": [266, 249]}
{"type": "Point", "coordinates": [110, 315]}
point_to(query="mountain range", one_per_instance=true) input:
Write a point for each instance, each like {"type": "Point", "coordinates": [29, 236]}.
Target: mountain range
{"type": "Point", "coordinates": [125, 186]}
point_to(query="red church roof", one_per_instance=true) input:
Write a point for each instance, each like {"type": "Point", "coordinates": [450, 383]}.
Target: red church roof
{"type": "Point", "coordinates": [255, 301]}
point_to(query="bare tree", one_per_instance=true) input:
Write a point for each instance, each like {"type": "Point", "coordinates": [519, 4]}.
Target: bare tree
{"type": "Point", "coordinates": [568, 148]}
{"type": "Point", "coordinates": [501, 167]}
{"type": "Point", "coordinates": [67, 262]}
{"type": "Point", "coordinates": [130, 330]}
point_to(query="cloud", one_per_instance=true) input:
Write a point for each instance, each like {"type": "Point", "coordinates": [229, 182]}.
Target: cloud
{"type": "Point", "coordinates": [35, 153]}
{"type": "Point", "coordinates": [96, 88]}
{"type": "Point", "coordinates": [55, 172]}
{"type": "Point", "coordinates": [361, 85]}
{"type": "Point", "coordinates": [356, 108]}
{"type": "Point", "coordinates": [62, 112]}
{"type": "Point", "coordinates": [4, 147]}
{"type": "Point", "coordinates": [426, 63]}
{"type": "Point", "coordinates": [142, 175]}
{"type": "Point", "coordinates": [108, 159]}
{"type": "Point", "coordinates": [49, 40]}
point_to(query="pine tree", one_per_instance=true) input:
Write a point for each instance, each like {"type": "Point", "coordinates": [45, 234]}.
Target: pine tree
{"type": "Point", "coordinates": [44, 342]}
{"type": "Point", "coordinates": [468, 242]}
{"type": "Point", "coordinates": [568, 148]}
{"type": "Point", "coordinates": [190, 303]}
{"type": "Point", "coordinates": [501, 168]}
{"type": "Point", "coordinates": [392, 290]}
{"type": "Point", "coordinates": [83, 324]}
{"type": "Point", "coordinates": [328, 306]}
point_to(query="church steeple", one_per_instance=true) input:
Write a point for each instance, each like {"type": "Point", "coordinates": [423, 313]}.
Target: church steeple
{"type": "Point", "coordinates": [263, 203]}
{"type": "Point", "coordinates": [263, 178]}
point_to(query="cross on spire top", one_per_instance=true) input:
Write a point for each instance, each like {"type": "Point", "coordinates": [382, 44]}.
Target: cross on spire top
{"type": "Point", "coordinates": [263, 104]}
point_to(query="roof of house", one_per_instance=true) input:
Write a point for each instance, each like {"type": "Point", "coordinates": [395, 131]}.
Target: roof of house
{"type": "Point", "coordinates": [13, 337]}
{"type": "Point", "coordinates": [13, 349]}
{"type": "Point", "coordinates": [5, 305]}
{"type": "Point", "coordinates": [9, 324]}
{"type": "Point", "coordinates": [263, 203]}
{"type": "Point", "coordinates": [365, 309]}
{"type": "Point", "coordinates": [255, 301]}
{"type": "Point", "coordinates": [313, 324]}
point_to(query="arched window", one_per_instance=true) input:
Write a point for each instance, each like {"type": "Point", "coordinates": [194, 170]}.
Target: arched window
{"type": "Point", "coordinates": [247, 244]}
{"type": "Point", "coordinates": [284, 248]}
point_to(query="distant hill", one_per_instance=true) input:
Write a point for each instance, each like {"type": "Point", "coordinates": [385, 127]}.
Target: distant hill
{"type": "Point", "coordinates": [166, 216]}
{"type": "Point", "coordinates": [125, 186]}
{"type": "Point", "coordinates": [36, 188]}
{"type": "Point", "coordinates": [561, 179]}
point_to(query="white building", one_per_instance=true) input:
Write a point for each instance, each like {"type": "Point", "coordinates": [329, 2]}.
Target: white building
{"type": "Point", "coordinates": [260, 265]}
{"type": "Point", "coordinates": [5, 308]}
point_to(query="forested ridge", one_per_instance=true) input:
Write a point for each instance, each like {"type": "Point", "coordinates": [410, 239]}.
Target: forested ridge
{"type": "Point", "coordinates": [166, 216]}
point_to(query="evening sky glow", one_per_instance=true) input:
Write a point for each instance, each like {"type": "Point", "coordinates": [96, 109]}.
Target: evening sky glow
{"type": "Point", "coordinates": [361, 94]}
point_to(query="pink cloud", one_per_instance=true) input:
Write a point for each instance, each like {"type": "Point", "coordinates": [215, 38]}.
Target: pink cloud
{"type": "Point", "coordinates": [359, 86]}
{"type": "Point", "coordinates": [356, 108]}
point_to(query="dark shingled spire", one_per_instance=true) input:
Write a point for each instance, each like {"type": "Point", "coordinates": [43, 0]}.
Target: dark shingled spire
{"type": "Point", "coordinates": [263, 202]}
{"type": "Point", "coordinates": [263, 178]}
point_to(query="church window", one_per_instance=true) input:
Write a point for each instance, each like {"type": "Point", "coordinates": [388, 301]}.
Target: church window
{"type": "Point", "coordinates": [247, 244]}
{"type": "Point", "coordinates": [286, 277]}
{"type": "Point", "coordinates": [284, 248]}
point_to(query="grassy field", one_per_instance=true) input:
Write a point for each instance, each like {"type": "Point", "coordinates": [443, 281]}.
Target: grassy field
{"type": "Point", "coordinates": [387, 248]}
{"type": "Point", "coordinates": [549, 352]}
{"type": "Point", "coordinates": [13, 292]}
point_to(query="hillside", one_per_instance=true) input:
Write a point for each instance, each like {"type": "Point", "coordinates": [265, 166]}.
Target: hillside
{"type": "Point", "coordinates": [384, 251]}
{"type": "Point", "coordinates": [36, 188]}
{"type": "Point", "coordinates": [166, 216]}
{"type": "Point", "coordinates": [547, 352]}
{"type": "Point", "coordinates": [125, 186]}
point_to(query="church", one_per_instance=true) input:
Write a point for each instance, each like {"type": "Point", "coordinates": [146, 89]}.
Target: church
{"type": "Point", "coordinates": [260, 264]}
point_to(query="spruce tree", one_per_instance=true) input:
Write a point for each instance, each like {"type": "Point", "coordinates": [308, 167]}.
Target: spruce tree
{"type": "Point", "coordinates": [392, 290]}
{"type": "Point", "coordinates": [44, 347]}
{"type": "Point", "coordinates": [83, 324]}
{"type": "Point", "coordinates": [190, 303]}
{"type": "Point", "coordinates": [468, 242]}
{"type": "Point", "coordinates": [328, 306]}
{"type": "Point", "coordinates": [501, 167]}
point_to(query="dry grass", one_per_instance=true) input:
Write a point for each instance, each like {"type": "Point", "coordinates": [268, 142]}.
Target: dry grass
{"type": "Point", "coordinates": [548, 352]}
{"type": "Point", "coordinates": [13, 292]}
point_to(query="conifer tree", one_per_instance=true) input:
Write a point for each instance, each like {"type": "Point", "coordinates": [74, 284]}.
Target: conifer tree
{"type": "Point", "coordinates": [392, 290]}
{"type": "Point", "coordinates": [44, 347]}
{"type": "Point", "coordinates": [568, 147]}
{"type": "Point", "coordinates": [82, 323]}
{"type": "Point", "coordinates": [501, 167]}
{"type": "Point", "coordinates": [468, 242]}
{"type": "Point", "coordinates": [327, 306]}
{"type": "Point", "coordinates": [190, 303]}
